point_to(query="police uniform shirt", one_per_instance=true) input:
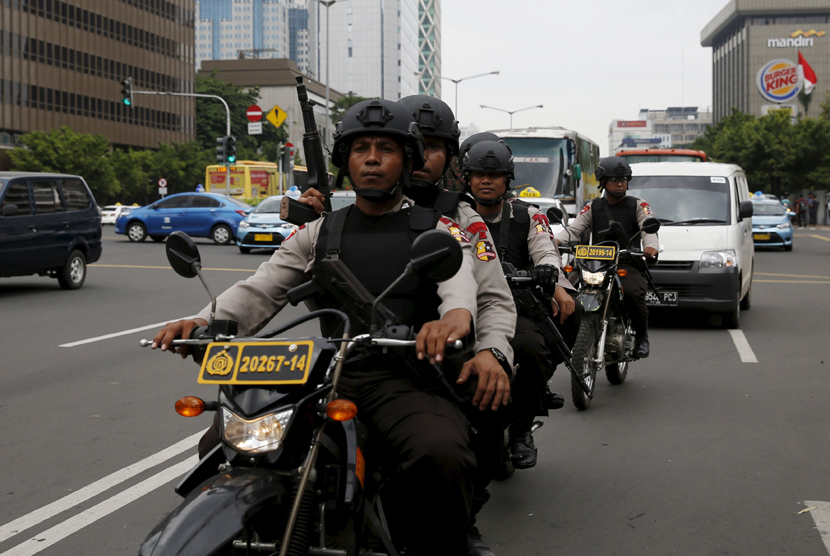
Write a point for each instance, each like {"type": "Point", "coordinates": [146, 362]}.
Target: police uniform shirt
{"type": "Point", "coordinates": [540, 245]}
{"type": "Point", "coordinates": [584, 220]}
{"type": "Point", "coordinates": [496, 318]}
{"type": "Point", "coordinates": [253, 302]}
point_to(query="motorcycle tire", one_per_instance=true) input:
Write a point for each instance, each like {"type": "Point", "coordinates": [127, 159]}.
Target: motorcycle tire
{"type": "Point", "coordinates": [584, 352]}
{"type": "Point", "coordinates": [616, 372]}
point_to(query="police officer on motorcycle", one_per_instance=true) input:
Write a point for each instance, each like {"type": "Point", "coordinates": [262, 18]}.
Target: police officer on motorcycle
{"type": "Point", "coordinates": [422, 436]}
{"type": "Point", "coordinates": [521, 236]}
{"type": "Point", "coordinates": [618, 217]}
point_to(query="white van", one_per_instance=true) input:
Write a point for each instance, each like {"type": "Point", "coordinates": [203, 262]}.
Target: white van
{"type": "Point", "coordinates": [707, 254]}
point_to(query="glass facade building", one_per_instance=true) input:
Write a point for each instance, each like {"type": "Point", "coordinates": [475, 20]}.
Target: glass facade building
{"type": "Point", "coordinates": [62, 63]}
{"type": "Point", "coordinates": [429, 46]}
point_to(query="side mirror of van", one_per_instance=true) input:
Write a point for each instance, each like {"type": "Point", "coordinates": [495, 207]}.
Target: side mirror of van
{"type": "Point", "coordinates": [9, 210]}
{"type": "Point", "coordinates": [745, 210]}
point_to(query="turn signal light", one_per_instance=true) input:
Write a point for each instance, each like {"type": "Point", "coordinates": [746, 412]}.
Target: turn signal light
{"type": "Point", "coordinates": [341, 410]}
{"type": "Point", "coordinates": [568, 268]}
{"type": "Point", "coordinates": [622, 272]}
{"type": "Point", "coordinates": [190, 406]}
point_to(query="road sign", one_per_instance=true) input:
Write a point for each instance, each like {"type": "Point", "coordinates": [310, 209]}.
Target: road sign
{"type": "Point", "coordinates": [162, 182]}
{"type": "Point", "coordinates": [276, 116]}
{"type": "Point", "coordinates": [254, 113]}
{"type": "Point", "coordinates": [162, 191]}
{"type": "Point", "coordinates": [254, 128]}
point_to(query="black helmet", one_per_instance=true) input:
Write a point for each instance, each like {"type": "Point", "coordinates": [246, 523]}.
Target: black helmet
{"type": "Point", "coordinates": [615, 166]}
{"type": "Point", "coordinates": [378, 116]}
{"type": "Point", "coordinates": [488, 156]}
{"type": "Point", "coordinates": [435, 119]}
{"type": "Point", "coordinates": [477, 138]}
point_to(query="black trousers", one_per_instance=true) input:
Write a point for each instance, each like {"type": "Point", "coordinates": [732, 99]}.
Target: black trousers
{"type": "Point", "coordinates": [422, 441]}
{"type": "Point", "coordinates": [635, 286]}
{"type": "Point", "coordinates": [537, 361]}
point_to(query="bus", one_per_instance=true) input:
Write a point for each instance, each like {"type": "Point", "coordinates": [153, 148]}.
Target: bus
{"type": "Point", "coordinates": [557, 162]}
{"type": "Point", "coordinates": [662, 155]}
{"type": "Point", "coordinates": [252, 179]}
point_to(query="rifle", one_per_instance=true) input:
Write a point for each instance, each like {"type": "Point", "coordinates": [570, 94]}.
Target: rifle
{"type": "Point", "coordinates": [530, 306]}
{"type": "Point", "coordinates": [294, 211]}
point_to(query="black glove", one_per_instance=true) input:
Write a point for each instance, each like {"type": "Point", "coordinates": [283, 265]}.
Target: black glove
{"type": "Point", "coordinates": [545, 274]}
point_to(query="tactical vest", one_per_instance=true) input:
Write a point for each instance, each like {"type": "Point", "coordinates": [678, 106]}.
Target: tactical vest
{"type": "Point", "coordinates": [624, 212]}
{"type": "Point", "coordinates": [376, 250]}
{"type": "Point", "coordinates": [515, 229]}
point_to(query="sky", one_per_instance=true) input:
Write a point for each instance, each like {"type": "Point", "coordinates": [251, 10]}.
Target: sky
{"type": "Point", "coordinates": [586, 61]}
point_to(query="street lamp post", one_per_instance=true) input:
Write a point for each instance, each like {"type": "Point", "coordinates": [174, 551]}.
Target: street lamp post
{"type": "Point", "coordinates": [511, 112]}
{"type": "Point", "coordinates": [457, 81]}
{"type": "Point", "coordinates": [327, 4]}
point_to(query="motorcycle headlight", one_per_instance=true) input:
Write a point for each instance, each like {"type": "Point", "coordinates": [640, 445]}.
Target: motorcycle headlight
{"type": "Point", "coordinates": [785, 225]}
{"type": "Point", "coordinates": [593, 278]}
{"type": "Point", "coordinates": [258, 435]}
{"type": "Point", "coordinates": [244, 224]}
{"type": "Point", "coordinates": [719, 259]}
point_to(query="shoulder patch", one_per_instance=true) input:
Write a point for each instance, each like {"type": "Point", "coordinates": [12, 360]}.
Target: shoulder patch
{"type": "Point", "coordinates": [485, 251]}
{"type": "Point", "coordinates": [646, 208]}
{"type": "Point", "coordinates": [540, 221]}
{"type": "Point", "coordinates": [447, 221]}
{"type": "Point", "coordinates": [294, 232]}
{"type": "Point", "coordinates": [585, 209]}
{"type": "Point", "coordinates": [456, 231]}
{"type": "Point", "coordinates": [477, 228]}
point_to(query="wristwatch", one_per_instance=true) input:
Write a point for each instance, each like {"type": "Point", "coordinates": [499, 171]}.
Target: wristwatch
{"type": "Point", "coordinates": [502, 359]}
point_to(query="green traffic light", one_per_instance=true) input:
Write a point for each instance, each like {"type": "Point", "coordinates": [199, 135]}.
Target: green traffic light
{"type": "Point", "coordinates": [127, 102]}
{"type": "Point", "coordinates": [231, 159]}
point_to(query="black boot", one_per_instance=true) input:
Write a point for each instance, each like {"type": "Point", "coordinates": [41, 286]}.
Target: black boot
{"type": "Point", "coordinates": [476, 545]}
{"type": "Point", "coordinates": [641, 347]}
{"type": "Point", "coordinates": [522, 447]}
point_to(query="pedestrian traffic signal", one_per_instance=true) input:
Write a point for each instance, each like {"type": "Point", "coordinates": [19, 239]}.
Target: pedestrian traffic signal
{"type": "Point", "coordinates": [230, 149]}
{"type": "Point", "coordinates": [221, 153]}
{"type": "Point", "coordinates": [127, 91]}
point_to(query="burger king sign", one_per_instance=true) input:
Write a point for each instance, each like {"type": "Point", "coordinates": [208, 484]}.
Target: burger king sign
{"type": "Point", "coordinates": [779, 81]}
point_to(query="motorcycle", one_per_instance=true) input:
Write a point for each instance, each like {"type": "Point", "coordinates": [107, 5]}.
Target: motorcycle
{"type": "Point", "coordinates": [293, 473]}
{"type": "Point", "coordinates": [605, 337]}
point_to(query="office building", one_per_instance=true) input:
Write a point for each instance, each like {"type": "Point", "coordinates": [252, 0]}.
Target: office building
{"type": "Point", "coordinates": [62, 63]}
{"type": "Point", "coordinates": [429, 45]}
{"type": "Point", "coordinates": [298, 33]}
{"type": "Point", "coordinates": [232, 29]}
{"type": "Point", "coordinates": [755, 55]}
{"type": "Point", "coordinates": [675, 126]}
{"type": "Point", "coordinates": [374, 46]}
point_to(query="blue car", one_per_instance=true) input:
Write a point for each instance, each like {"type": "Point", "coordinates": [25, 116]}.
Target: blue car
{"type": "Point", "coordinates": [770, 225]}
{"type": "Point", "coordinates": [197, 214]}
{"type": "Point", "coordinates": [263, 228]}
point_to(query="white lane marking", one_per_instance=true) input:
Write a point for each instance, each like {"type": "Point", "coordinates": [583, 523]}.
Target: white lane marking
{"type": "Point", "coordinates": [742, 345]}
{"type": "Point", "coordinates": [105, 508]}
{"type": "Point", "coordinates": [821, 515]}
{"type": "Point", "coordinates": [124, 333]}
{"type": "Point", "coordinates": [94, 489]}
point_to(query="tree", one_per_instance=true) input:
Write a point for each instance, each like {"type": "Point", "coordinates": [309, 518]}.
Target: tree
{"type": "Point", "coordinates": [64, 151]}
{"type": "Point", "coordinates": [343, 104]}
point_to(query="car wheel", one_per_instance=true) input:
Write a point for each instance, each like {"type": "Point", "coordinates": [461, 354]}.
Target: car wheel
{"type": "Point", "coordinates": [73, 273]}
{"type": "Point", "coordinates": [136, 231]}
{"type": "Point", "coordinates": [221, 235]}
{"type": "Point", "coordinates": [158, 239]}
{"type": "Point", "coordinates": [244, 249]}
{"type": "Point", "coordinates": [746, 302]}
{"type": "Point", "coordinates": [731, 320]}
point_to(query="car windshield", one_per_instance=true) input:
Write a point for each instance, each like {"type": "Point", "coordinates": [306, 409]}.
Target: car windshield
{"type": "Point", "coordinates": [269, 205]}
{"type": "Point", "coordinates": [767, 209]}
{"type": "Point", "coordinates": [685, 199]}
{"type": "Point", "coordinates": [537, 162]}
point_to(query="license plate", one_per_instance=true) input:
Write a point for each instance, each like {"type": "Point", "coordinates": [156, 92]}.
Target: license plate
{"type": "Point", "coordinates": [257, 363]}
{"type": "Point", "coordinates": [603, 253]}
{"type": "Point", "coordinates": [263, 237]}
{"type": "Point", "coordinates": [663, 298]}
{"type": "Point", "coordinates": [761, 236]}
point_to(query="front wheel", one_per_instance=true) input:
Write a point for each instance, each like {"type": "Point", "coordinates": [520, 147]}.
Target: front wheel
{"type": "Point", "coordinates": [73, 273]}
{"type": "Point", "coordinates": [584, 353]}
{"type": "Point", "coordinates": [221, 235]}
{"type": "Point", "coordinates": [136, 231]}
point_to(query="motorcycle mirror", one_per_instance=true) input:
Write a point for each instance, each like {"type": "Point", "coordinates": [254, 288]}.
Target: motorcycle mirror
{"type": "Point", "coordinates": [183, 255]}
{"type": "Point", "coordinates": [651, 225]}
{"type": "Point", "coordinates": [555, 215]}
{"type": "Point", "coordinates": [435, 255]}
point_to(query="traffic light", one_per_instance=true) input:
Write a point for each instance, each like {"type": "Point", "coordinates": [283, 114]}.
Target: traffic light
{"type": "Point", "coordinates": [221, 152]}
{"type": "Point", "coordinates": [288, 157]}
{"type": "Point", "coordinates": [127, 91]}
{"type": "Point", "coordinates": [230, 149]}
